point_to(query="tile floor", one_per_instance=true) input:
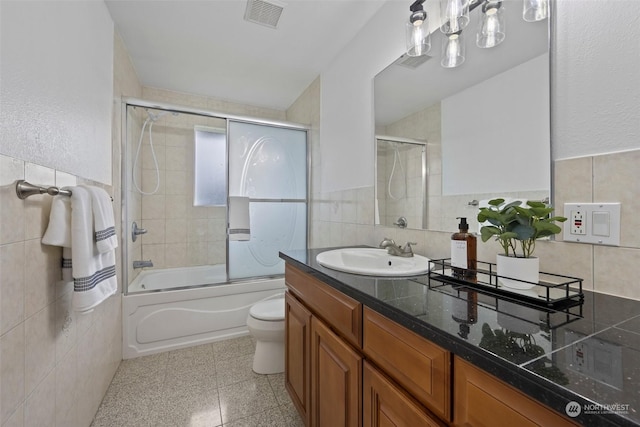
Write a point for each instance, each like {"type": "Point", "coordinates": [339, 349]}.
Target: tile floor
{"type": "Point", "coordinates": [209, 385]}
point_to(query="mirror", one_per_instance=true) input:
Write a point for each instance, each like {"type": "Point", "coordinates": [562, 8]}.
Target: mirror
{"type": "Point", "coordinates": [401, 174]}
{"type": "Point", "coordinates": [485, 124]}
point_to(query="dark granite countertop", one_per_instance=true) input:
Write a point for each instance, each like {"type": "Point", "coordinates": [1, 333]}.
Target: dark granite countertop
{"type": "Point", "coordinates": [589, 354]}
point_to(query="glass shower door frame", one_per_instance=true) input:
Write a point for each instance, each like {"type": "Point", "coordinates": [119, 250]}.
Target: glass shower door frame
{"type": "Point", "coordinates": [304, 200]}
{"type": "Point", "coordinates": [126, 139]}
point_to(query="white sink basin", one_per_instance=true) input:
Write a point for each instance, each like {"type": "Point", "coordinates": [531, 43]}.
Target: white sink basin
{"type": "Point", "coordinates": [373, 262]}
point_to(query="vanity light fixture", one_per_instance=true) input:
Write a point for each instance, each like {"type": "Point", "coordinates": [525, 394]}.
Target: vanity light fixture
{"type": "Point", "coordinates": [535, 10]}
{"type": "Point", "coordinates": [454, 15]}
{"type": "Point", "coordinates": [453, 50]}
{"type": "Point", "coordinates": [417, 28]}
{"type": "Point", "coordinates": [491, 24]}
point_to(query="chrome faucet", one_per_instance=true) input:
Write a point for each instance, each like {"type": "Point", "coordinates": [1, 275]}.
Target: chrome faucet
{"type": "Point", "coordinates": [401, 222]}
{"type": "Point", "coordinates": [396, 250]}
{"type": "Point", "coordinates": [142, 264]}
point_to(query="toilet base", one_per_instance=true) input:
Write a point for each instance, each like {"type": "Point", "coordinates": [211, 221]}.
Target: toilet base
{"type": "Point", "coordinates": [269, 357]}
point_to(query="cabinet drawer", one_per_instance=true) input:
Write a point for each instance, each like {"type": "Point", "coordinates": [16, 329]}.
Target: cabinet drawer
{"type": "Point", "coordinates": [484, 401]}
{"type": "Point", "coordinates": [421, 367]}
{"type": "Point", "coordinates": [342, 313]}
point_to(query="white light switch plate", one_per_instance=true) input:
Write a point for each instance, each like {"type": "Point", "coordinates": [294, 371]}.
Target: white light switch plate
{"type": "Point", "coordinates": [597, 223]}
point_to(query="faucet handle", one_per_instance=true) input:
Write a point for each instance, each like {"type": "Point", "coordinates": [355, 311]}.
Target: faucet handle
{"type": "Point", "coordinates": [386, 242]}
{"type": "Point", "coordinates": [407, 248]}
{"type": "Point", "coordinates": [401, 222]}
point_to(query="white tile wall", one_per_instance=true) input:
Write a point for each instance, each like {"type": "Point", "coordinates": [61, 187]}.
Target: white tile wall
{"type": "Point", "coordinates": [39, 333]}
{"type": "Point", "coordinates": [55, 364]}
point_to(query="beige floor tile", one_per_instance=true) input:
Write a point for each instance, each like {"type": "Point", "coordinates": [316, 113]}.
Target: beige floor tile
{"type": "Point", "coordinates": [231, 371]}
{"type": "Point", "coordinates": [200, 386]}
{"type": "Point", "coordinates": [243, 399]}
{"type": "Point", "coordinates": [270, 418]}
{"type": "Point", "coordinates": [232, 348]}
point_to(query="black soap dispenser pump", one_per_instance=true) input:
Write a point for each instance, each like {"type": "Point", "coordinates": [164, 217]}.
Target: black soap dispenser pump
{"type": "Point", "coordinates": [463, 251]}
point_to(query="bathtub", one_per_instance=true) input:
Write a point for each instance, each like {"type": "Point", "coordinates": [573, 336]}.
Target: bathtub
{"type": "Point", "coordinates": [154, 322]}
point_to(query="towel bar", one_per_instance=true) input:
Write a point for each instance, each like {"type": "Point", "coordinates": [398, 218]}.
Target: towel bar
{"type": "Point", "coordinates": [25, 189]}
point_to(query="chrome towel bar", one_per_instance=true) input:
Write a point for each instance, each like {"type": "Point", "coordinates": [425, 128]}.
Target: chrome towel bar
{"type": "Point", "coordinates": [25, 189]}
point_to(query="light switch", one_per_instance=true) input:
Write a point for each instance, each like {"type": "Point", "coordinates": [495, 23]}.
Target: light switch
{"type": "Point", "coordinates": [601, 224]}
{"type": "Point", "coordinates": [595, 223]}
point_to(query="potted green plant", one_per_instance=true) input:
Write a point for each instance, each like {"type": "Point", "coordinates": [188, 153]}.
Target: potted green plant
{"type": "Point", "coordinates": [521, 348]}
{"type": "Point", "coordinates": [517, 228]}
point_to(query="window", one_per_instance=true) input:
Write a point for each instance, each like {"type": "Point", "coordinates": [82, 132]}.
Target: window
{"type": "Point", "coordinates": [210, 187]}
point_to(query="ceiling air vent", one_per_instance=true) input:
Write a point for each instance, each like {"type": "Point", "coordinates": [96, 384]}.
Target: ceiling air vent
{"type": "Point", "coordinates": [265, 13]}
{"type": "Point", "coordinates": [412, 62]}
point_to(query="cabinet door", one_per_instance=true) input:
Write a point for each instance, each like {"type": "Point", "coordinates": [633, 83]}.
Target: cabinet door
{"type": "Point", "coordinates": [342, 312]}
{"type": "Point", "coordinates": [418, 365]}
{"type": "Point", "coordinates": [386, 405]}
{"type": "Point", "coordinates": [481, 400]}
{"type": "Point", "coordinates": [336, 380]}
{"type": "Point", "coordinates": [297, 359]}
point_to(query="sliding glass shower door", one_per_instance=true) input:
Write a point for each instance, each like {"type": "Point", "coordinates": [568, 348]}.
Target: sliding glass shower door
{"type": "Point", "coordinates": [267, 167]}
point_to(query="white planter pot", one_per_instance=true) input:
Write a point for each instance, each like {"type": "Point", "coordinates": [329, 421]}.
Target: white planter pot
{"type": "Point", "coordinates": [526, 269]}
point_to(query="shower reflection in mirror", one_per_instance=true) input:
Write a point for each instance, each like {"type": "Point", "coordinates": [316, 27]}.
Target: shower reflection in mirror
{"type": "Point", "coordinates": [401, 182]}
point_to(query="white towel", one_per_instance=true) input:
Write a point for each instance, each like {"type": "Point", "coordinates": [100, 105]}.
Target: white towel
{"type": "Point", "coordinates": [67, 273]}
{"type": "Point", "coordinates": [59, 229]}
{"type": "Point", "coordinates": [239, 222]}
{"type": "Point", "coordinates": [103, 219]}
{"type": "Point", "coordinates": [94, 273]}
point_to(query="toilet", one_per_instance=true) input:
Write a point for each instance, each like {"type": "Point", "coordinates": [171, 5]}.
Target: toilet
{"type": "Point", "coordinates": [266, 325]}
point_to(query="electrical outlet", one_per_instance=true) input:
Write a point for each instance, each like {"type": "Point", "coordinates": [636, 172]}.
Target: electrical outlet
{"type": "Point", "coordinates": [596, 223]}
{"type": "Point", "coordinates": [577, 222]}
{"type": "Point", "coordinates": [579, 354]}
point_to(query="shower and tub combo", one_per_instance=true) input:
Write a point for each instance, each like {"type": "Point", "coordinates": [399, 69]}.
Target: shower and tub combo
{"type": "Point", "coordinates": [182, 166]}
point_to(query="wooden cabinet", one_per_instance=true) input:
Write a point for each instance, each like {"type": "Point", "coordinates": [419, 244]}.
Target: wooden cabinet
{"type": "Point", "coordinates": [483, 400]}
{"type": "Point", "coordinates": [336, 379]}
{"type": "Point", "coordinates": [346, 365]}
{"type": "Point", "coordinates": [421, 367]}
{"type": "Point", "coordinates": [342, 312]}
{"type": "Point", "coordinates": [386, 405]}
{"type": "Point", "coordinates": [297, 356]}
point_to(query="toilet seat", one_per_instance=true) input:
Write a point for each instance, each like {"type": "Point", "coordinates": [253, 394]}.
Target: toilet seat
{"type": "Point", "coordinates": [270, 310]}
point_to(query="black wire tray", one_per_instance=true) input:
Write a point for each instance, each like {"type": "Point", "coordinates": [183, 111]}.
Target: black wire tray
{"type": "Point", "coordinates": [552, 291]}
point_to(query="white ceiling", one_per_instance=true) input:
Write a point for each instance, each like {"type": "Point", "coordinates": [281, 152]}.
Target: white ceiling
{"type": "Point", "coordinates": [206, 47]}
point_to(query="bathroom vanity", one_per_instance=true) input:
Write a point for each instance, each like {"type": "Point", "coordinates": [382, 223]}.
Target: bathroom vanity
{"type": "Point", "coordinates": [422, 352]}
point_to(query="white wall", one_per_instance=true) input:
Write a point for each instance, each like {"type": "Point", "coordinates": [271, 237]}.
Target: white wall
{"type": "Point", "coordinates": [56, 85]}
{"type": "Point", "coordinates": [595, 98]}
{"type": "Point", "coordinates": [511, 129]}
{"type": "Point", "coordinates": [346, 115]}
{"type": "Point", "coordinates": [596, 83]}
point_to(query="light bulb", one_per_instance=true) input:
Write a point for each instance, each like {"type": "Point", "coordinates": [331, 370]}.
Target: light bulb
{"type": "Point", "coordinates": [417, 34]}
{"type": "Point", "coordinates": [454, 15]}
{"type": "Point", "coordinates": [453, 51]}
{"type": "Point", "coordinates": [535, 10]}
{"type": "Point", "coordinates": [491, 25]}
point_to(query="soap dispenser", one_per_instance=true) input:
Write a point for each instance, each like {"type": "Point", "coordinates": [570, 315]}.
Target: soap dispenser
{"type": "Point", "coordinates": [463, 252]}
